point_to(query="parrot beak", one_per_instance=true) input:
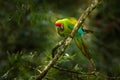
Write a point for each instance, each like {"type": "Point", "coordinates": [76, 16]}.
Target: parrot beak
{"type": "Point", "coordinates": [58, 28]}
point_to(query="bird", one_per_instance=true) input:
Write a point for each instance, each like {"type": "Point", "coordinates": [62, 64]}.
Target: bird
{"type": "Point", "coordinates": [65, 26]}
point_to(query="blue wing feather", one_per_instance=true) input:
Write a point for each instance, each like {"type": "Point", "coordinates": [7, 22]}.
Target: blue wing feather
{"type": "Point", "coordinates": [81, 32]}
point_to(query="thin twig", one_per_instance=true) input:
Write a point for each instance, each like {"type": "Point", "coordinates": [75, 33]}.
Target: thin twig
{"type": "Point", "coordinates": [6, 74]}
{"type": "Point", "coordinates": [68, 39]}
{"type": "Point", "coordinates": [71, 71]}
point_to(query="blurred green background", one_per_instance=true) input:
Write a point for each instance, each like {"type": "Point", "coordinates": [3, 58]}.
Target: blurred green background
{"type": "Point", "coordinates": [27, 36]}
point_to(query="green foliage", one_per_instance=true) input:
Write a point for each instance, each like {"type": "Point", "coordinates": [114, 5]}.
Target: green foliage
{"type": "Point", "coordinates": [27, 36]}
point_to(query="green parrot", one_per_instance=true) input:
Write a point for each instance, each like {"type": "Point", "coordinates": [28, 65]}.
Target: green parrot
{"type": "Point", "coordinates": [65, 26]}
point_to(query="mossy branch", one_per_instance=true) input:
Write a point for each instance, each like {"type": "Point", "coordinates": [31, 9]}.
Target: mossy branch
{"type": "Point", "coordinates": [64, 43]}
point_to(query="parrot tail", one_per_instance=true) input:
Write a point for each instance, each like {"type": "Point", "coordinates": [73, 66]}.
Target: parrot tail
{"type": "Point", "coordinates": [85, 52]}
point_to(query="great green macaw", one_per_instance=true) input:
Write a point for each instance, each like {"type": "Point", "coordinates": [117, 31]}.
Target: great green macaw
{"type": "Point", "coordinates": [65, 26]}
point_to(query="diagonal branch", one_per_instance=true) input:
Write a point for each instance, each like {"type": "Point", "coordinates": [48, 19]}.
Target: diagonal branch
{"type": "Point", "coordinates": [67, 40]}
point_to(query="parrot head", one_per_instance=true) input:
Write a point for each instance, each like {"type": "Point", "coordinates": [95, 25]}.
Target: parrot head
{"type": "Point", "coordinates": [64, 26]}
{"type": "Point", "coordinates": [59, 26]}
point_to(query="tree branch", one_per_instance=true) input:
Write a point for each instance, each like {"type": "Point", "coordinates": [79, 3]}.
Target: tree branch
{"type": "Point", "coordinates": [63, 44]}
{"type": "Point", "coordinates": [71, 71]}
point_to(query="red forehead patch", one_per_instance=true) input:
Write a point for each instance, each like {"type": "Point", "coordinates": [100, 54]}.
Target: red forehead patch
{"type": "Point", "coordinates": [58, 24]}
